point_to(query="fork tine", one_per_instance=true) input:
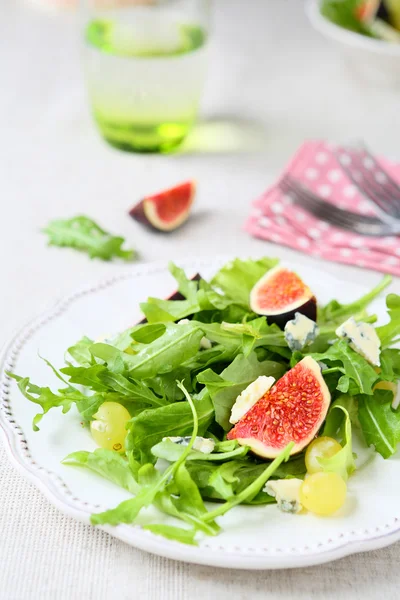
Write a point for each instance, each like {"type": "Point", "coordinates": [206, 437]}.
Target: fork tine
{"type": "Point", "coordinates": [392, 183]}
{"type": "Point", "coordinates": [388, 188]}
{"type": "Point", "coordinates": [365, 185]}
{"type": "Point", "coordinates": [312, 199]}
{"type": "Point", "coordinates": [365, 181]}
{"type": "Point", "coordinates": [360, 224]}
{"type": "Point", "coordinates": [312, 203]}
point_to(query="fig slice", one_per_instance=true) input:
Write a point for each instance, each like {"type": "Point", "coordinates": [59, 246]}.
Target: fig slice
{"type": "Point", "coordinates": [166, 210]}
{"type": "Point", "coordinates": [292, 410]}
{"type": "Point", "coordinates": [279, 294]}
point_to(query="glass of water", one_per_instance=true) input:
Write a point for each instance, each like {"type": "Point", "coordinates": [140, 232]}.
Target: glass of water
{"type": "Point", "coordinates": [145, 66]}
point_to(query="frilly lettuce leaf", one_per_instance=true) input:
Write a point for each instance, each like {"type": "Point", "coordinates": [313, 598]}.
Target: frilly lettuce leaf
{"type": "Point", "coordinates": [353, 366]}
{"type": "Point", "coordinates": [107, 463]}
{"type": "Point", "coordinates": [341, 463]}
{"type": "Point", "coordinates": [390, 333]}
{"type": "Point", "coordinates": [238, 277]}
{"type": "Point", "coordinates": [380, 424]}
{"type": "Point", "coordinates": [85, 235]}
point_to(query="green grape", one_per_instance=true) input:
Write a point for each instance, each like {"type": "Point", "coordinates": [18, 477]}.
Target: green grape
{"type": "Point", "coordinates": [108, 427]}
{"type": "Point", "coordinates": [322, 447]}
{"type": "Point", "coordinates": [323, 493]}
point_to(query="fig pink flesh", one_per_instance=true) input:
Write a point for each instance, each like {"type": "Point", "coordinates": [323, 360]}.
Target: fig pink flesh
{"type": "Point", "coordinates": [167, 210]}
{"type": "Point", "coordinates": [292, 410]}
{"type": "Point", "coordinates": [279, 294]}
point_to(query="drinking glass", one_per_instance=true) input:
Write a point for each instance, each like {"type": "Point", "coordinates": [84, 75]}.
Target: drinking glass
{"type": "Point", "coordinates": [145, 66]}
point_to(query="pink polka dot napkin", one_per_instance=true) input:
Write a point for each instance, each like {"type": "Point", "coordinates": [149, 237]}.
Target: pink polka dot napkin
{"type": "Point", "coordinates": [275, 218]}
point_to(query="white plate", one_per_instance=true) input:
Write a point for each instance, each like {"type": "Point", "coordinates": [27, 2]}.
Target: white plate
{"type": "Point", "coordinates": [252, 537]}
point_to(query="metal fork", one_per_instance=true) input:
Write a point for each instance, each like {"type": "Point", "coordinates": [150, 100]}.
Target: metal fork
{"type": "Point", "coordinates": [372, 180]}
{"type": "Point", "coordinates": [345, 219]}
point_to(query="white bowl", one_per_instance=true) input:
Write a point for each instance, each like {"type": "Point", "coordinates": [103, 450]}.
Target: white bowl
{"type": "Point", "coordinates": [374, 61]}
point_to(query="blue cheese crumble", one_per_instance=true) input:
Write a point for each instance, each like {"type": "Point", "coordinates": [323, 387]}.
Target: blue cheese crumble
{"type": "Point", "coordinates": [362, 338]}
{"type": "Point", "coordinates": [201, 444]}
{"type": "Point", "coordinates": [300, 332]}
{"type": "Point", "coordinates": [286, 493]}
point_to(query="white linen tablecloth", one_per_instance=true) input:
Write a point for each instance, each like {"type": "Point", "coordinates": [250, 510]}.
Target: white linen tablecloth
{"type": "Point", "coordinates": [273, 82]}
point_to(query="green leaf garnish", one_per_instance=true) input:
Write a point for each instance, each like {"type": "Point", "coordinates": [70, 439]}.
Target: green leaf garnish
{"type": "Point", "coordinates": [85, 235]}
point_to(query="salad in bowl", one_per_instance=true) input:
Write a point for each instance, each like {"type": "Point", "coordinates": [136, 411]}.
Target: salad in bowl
{"type": "Point", "coordinates": [378, 19]}
{"type": "Point", "coordinates": [366, 32]}
{"type": "Point", "coordinates": [239, 390]}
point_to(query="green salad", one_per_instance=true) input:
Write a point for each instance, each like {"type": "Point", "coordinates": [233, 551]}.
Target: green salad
{"type": "Point", "coordinates": [238, 390]}
{"type": "Point", "coordinates": [374, 18]}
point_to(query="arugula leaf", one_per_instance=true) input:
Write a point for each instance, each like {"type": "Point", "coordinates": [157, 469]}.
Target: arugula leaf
{"type": "Point", "coordinates": [223, 480]}
{"type": "Point", "coordinates": [86, 376]}
{"type": "Point", "coordinates": [217, 356]}
{"type": "Point", "coordinates": [164, 354]}
{"type": "Point", "coordinates": [380, 424]}
{"type": "Point", "coordinates": [238, 277]}
{"type": "Point", "coordinates": [390, 364]}
{"type": "Point", "coordinates": [167, 501]}
{"type": "Point", "coordinates": [215, 333]}
{"type": "Point", "coordinates": [390, 333]}
{"type": "Point", "coordinates": [85, 235]}
{"type": "Point", "coordinates": [225, 388]}
{"type": "Point", "coordinates": [145, 334]}
{"type": "Point", "coordinates": [211, 477]}
{"type": "Point", "coordinates": [148, 428]}
{"type": "Point", "coordinates": [336, 313]}
{"type": "Point", "coordinates": [199, 298]}
{"type": "Point", "coordinates": [352, 365]}
{"type": "Point", "coordinates": [171, 452]}
{"type": "Point", "coordinates": [114, 358]}
{"type": "Point", "coordinates": [89, 405]}
{"type": "Point", "coordinates": [342, 462]}
{"type": "Point", "coordinates": [127, 511]}
{"type": "Point", "coordinates": [80, 352]}
{"type": "Point", "coordinates": [178, 534]}
{"type": "Point", "coordinates": [45, 397]}
{"type": "Point", "coordinates": [257, 333]}
{"type": "Point", "coordinates": [190, 501]}
{"type": "Point", "coordinates": [157, 310]}
{"type": "Point", "coordinates": [165, 385]}
{"type": "Point", "coordinates": [107, 463]}
{"type": "Point", "coordinates": [187, 287]}
{"type": "Point", "coordinates": [254, 488]}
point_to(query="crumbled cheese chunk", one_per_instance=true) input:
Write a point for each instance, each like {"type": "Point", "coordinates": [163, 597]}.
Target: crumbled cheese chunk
{"type": "Point", "coordinates": [250, 396]}
{"type": "Point", "coordinates": [362, 338]}
{"type": "Point", "coordinates": [286, 492]}
{"type": "Point", "coordinates": [205, 343]}
{"type": "Point", "coordinates": [201, 444]}
{"type": "Point", "coordinates": [300, 332]}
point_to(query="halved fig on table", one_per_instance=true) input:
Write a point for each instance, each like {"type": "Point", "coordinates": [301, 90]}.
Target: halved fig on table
{"type": "Point", "coordinates": [167, 210]}
{"type": "Point", "coordinates": [292, 410]}
{"type": "Point", "coordinates": [279, 294]}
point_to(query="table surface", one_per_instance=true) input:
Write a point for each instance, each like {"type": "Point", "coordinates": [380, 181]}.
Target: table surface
{"type": "Point", "coordinates": [273, 82]}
